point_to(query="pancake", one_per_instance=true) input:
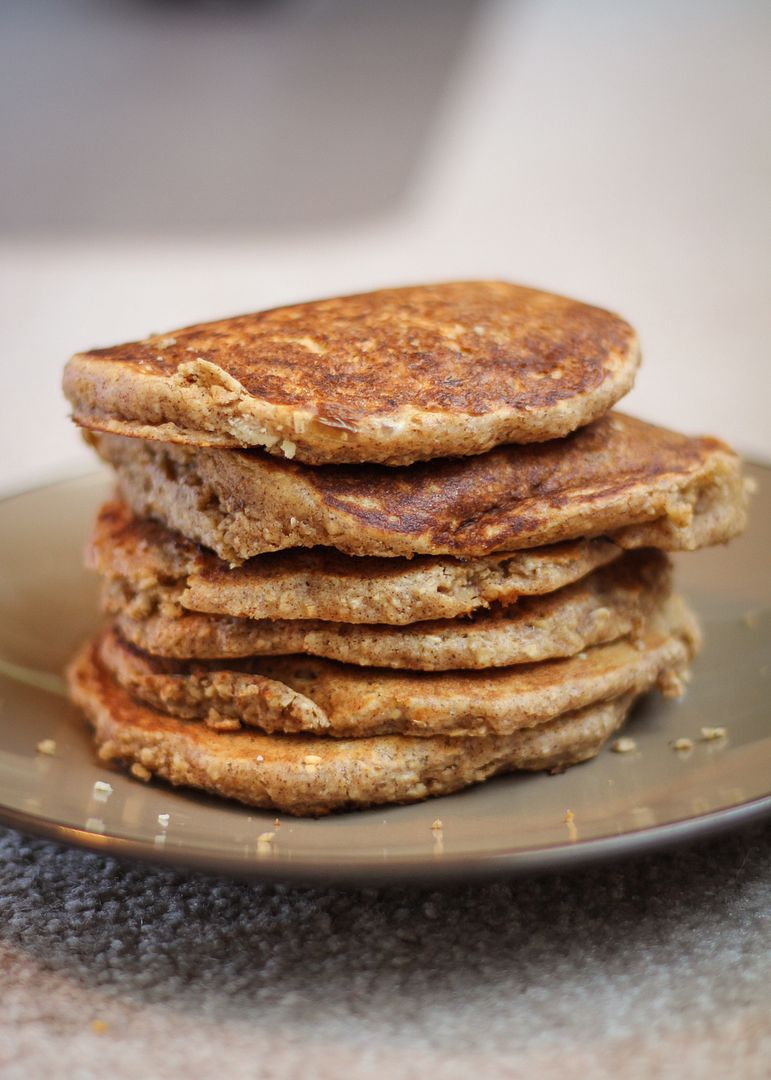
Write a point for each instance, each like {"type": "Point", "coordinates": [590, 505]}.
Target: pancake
{"type": "Point", "coordinates": [393, 376]}
{"type": "Point", "coordinates": [160, 568]}
{"type": "Point", "coordinates": [307, 775]}
{"type": "Point", "coordinates": [638, 484]}
{"type": "Point", "coordinates": [604, 605]}
{"type": "Point", "coordinates": [300, 694]}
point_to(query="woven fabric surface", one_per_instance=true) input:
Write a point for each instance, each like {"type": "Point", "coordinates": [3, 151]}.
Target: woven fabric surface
{"type": "Point", "coordinates": [653, 967]}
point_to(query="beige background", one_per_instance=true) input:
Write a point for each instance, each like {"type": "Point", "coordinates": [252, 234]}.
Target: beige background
{"type": "Point", "coordinates": [615, 152]}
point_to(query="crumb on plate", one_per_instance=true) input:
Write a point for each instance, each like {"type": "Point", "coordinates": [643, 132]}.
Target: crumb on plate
{"type": "Point", "coordinates": [624, 745]}
{"type": "Point", "coordinates": [711, 733]}
{"type": "Point", "coordinates": [682, 744]}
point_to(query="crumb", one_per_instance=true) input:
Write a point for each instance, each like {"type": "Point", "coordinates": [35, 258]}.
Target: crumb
{"type": "Point", "coordinates": [682, 744]}
{"type": "Point", "coordinates": [259, 758]}
{"type": "Point", "coordinates": [436, 824]}
{"type": "Point", "coordinates": [140, 772]}
{"type": "Point", "coordinates": [98, 1027]}
{"type": "Point", "coordinates": [671, 684]}
{"type": "Point", "coordinates": [569, 817]}
{"type": "Point", "coordinates": [277, 824]}
{"type": "Point", "coordinates": [750, 485]}
{"type": "Point", "coordinates": [288, 447]}
{"type": "Point", "coordinates": [293, 521]}
{"type": "Point", "coordinates": [624, 745]}
{"type": "Point", "coordinates": [311, 759]}
{"type": "Point", "coordinates": [46, 746]}
{"type": "Point", "coordinates": [102, 790]}
{"type": "Point", "coordinates": [165, 342]}
{"type": "Point", "coordinates": [265, 843]}
{"type": "Point", "coordinates": [163, 820]}
{"type": "Point", "coordinates": [581, 656]}
{"type": "Point", "coordinates": [711, 733]}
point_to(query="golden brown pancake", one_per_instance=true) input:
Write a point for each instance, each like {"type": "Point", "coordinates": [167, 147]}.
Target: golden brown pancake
{"type": "Point", "coordinates": [604, 605]}
{"type": "Point", "coordinates": [302, 774]}
{"type": "Point", "coordinates": [301, 694]}
{"type": "Point", "coordinates": [638, 484]}
{"type": "Point", "coordinates": [159, 568]}
{"type": "Point", "coordinates": [393, 376]}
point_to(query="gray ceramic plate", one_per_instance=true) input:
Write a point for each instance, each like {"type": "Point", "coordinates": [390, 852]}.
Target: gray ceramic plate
{"type": "Point", "coordinates": [619, 803]}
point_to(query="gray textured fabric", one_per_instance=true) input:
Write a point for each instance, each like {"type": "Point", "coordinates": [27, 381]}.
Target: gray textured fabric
{"type": "Point", "coordinates": [653, 968]}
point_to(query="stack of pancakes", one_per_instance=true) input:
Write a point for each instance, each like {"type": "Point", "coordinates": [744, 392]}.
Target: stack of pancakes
{"type": "Point", "coordinates": [372, 549]}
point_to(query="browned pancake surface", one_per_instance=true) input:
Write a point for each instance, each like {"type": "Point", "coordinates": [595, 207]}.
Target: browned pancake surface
{"type": "Point", "coordinates": [396, 375]}
{"type": "Point", "coordinates": [637, 483]}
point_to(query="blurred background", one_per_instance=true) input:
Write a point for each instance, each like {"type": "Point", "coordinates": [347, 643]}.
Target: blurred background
{"type": "Point", "coordinates": [167, 162]}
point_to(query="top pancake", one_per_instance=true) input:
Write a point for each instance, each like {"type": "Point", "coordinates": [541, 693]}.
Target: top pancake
{"type": "Point", "coordinates": [393, 376]}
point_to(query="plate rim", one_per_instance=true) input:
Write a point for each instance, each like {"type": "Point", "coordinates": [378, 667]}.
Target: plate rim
{"type": "Point", "coordinates": [418, 870]}
{"type": "Point", "coordinates": [487, 866]}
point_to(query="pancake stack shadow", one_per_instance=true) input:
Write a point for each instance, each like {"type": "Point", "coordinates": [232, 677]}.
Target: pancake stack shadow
{"type": "Point", "coordinates": [378, 548]}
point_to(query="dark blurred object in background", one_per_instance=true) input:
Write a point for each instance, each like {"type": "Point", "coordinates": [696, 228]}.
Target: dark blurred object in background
{"type": "Point", "coordinates": [174, 117]}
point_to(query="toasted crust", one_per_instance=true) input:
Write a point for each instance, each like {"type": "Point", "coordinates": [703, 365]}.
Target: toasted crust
{"type": "Point", "coordinates": [604, 605]}
{"type": "Point", "coordinates": [159, 568]}
{"type": "Point", "coordinates": [639, 484]}
{"type": "Point", "coordinates": [306, 775]}
{"type": "Point", "coordinates": [299, 694]}
{"type": "Point", "coordinates": [393, 376]}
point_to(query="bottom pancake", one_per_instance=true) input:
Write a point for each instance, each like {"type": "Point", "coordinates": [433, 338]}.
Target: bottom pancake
{"type": "Point", "coordinates": [305, 775]}
{"type": "Point", "coordinates": [293, 694]}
